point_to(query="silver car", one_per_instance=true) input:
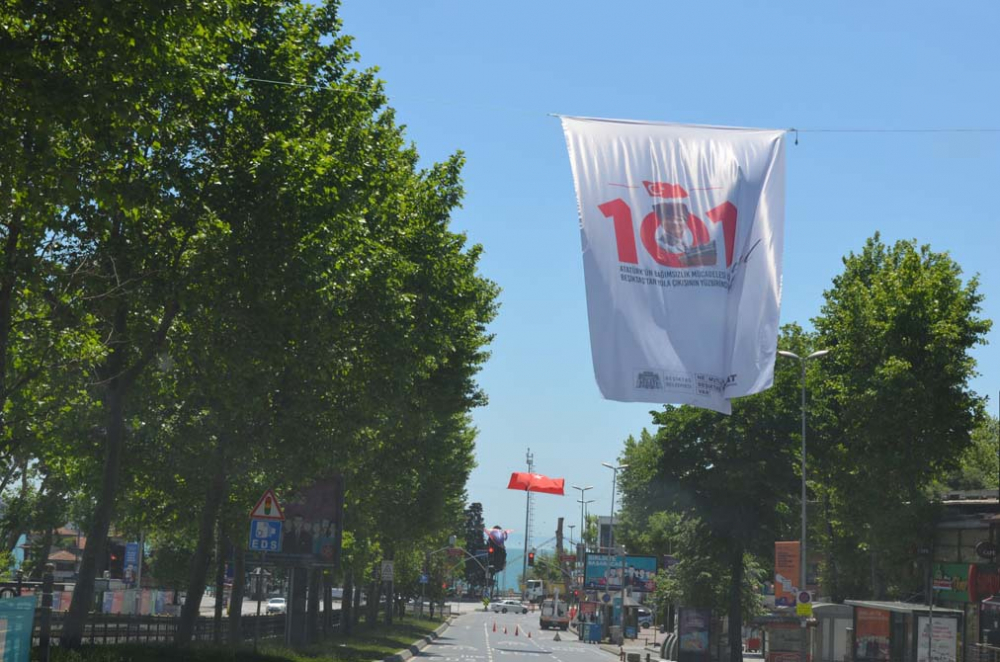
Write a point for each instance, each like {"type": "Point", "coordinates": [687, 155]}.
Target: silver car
{"type": "Point", "coordinates": [503, 606]}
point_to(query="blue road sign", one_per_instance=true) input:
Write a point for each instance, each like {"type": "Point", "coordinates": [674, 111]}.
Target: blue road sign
{"type": "Point", "coordinates": [131, 560]}
{"type": "Point", "coordinates": [265, 535]}
{"type": "Point", "coordinates": [424, 579]}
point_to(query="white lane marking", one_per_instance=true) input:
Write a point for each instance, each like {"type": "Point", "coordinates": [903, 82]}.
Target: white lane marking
{"type": "Point", "coordinates": [489, 649]}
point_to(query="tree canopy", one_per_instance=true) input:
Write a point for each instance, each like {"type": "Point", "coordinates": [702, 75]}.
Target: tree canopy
{"type": "Point", "coordinates": [214, 284]}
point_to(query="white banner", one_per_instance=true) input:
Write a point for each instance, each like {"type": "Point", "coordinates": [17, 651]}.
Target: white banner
{"type": "Point", "coordinates": [682, 230]}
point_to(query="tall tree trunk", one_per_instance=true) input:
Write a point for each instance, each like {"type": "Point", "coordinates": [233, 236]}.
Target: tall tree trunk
{"type": "Point", "coordinates": [118, 378]}
{"type": "Point", "coordinates": [236, 598]}
{"type": "Point", "coordinates": [347, 604]}
{"type": "Point", "coordinates": [97, 536]}
{"type": "Point", "coordinates": [371, 608]}
{"type": "Point", "coordinates": [876, 589]}
{"type": "Point", "coordinates": [356, 612]}
{"type": "Point", "coordinates": [7, 279]}
{"type": "Point", "coordinates": [312, 605]}
{"type": "Point", "coordinates": [327, 603]}
{"type": "Point", "coordinates": [389, 592]}
{"type": "Point", "coordinates": [736, 607]}
{"type": "Point", "coordinates": [202, 553]}
{"type": "Point", "coordinates": [37, 566]}
{"type": "Point", "coordinates": [297, 608]}
{"type": "Point", "coordinates": [17, 525]}
{"type": "Point", "coordinates": [835, 590]}
{"type": "Point", "coordinates": [221, 545]}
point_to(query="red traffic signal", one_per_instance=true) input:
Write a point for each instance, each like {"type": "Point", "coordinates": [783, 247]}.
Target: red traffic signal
{"type": "Point", "coordinates": [531, 558]}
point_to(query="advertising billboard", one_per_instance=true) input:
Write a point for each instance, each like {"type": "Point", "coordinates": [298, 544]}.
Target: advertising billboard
{"type": "Point", "coordinates": [312, 531]}
{"type": "Point", "coordinates": [950, 581]}
{"type": "Point", "coordinates": [871, 635]}
{"type": "Point", "coordinates": [943, 641]}
{"type": "Point", "coordinates": [694, 629]}
{"type": "Point", "coordinates": [786, 572]}
{"type": "Point", "coordinates": [604, 572]}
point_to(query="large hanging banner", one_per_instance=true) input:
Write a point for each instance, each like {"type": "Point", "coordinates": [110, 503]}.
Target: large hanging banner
{"type": "Point", "coordinates": [682, 230]}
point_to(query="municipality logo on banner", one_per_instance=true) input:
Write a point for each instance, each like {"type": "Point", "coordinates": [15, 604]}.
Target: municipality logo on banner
{"type": "Point", "coordinates": [682, 230]}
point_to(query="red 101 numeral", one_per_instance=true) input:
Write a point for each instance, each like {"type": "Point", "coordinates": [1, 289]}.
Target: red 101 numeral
{"type": "Point", "coordinates": [621, 213]}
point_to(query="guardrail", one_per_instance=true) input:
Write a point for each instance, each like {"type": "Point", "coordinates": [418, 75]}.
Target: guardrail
{"type": "Point", "coordinates": [120, 629]}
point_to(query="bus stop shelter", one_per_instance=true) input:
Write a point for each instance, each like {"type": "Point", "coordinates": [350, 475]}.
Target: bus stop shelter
{"type": "Point", "coordinates": [904, 632]}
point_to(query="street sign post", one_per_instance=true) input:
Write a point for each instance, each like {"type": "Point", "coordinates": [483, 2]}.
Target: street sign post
{"type": "Point", "coordinates": [266, 522]}
{"type": "Point", "coordinates": [265, 535]}
{"type": "Point", "coordinates": [267, 507]}
{"type": "Point", "coordinates": [803, 606]}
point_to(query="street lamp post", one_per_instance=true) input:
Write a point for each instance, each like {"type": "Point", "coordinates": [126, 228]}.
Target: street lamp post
{"type": "Point", "coordinates": [583, 491]}
{"type": "Point", "coordinates": [802, 543]}
{"type": "Point", "coordinates": [614, 486]}
{"type": "Point", "coordinates": [583, 508]}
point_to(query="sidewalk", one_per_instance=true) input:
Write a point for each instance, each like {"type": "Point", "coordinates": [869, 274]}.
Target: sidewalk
{"type": "Point", "coordinates": [650, 644]}
{"type": "Point", "coordinates": [632, 649]}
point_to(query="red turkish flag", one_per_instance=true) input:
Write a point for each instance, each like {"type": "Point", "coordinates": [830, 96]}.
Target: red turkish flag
{"type": "Point", "coordinates": [536, 483]}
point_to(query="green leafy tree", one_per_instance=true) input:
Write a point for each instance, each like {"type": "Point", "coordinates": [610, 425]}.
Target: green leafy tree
{"type": "Point", "coordinates": [734, 474]}
{"type": "Point", "coordinates": [977, 468]}
{"type": "Point", "coordinates": [547, 568]}
{"type": "Point", "coordinates": [475, 545]}
{"type": "Point", "coordinates": [894, 408]}
{"type": "Point", "coordinates": [264, 289]}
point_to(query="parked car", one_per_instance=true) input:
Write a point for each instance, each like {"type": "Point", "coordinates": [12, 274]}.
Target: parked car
{"type": "Point", "coordinates": [645, 618]}
{"type": "Point", "coordinates": [276, 606]}
{"type": "Point", "coordinates": [503, 606]}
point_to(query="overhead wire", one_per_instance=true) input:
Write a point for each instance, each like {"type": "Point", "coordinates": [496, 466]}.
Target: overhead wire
{"type": "Point", "coordinates": [795, 130]}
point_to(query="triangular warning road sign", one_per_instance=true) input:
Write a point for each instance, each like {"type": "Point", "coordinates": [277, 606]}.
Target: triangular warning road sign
{"type": "Point", "coordinates": [267, 507]}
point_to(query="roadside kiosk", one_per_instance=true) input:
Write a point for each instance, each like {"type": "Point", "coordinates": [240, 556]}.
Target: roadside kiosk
{"type": "Point", "coordinates": [783, 635]}
{"type": "Point", "coordinates": [904, 632]}
{"type": "Point", "coordinates": [829, 639]}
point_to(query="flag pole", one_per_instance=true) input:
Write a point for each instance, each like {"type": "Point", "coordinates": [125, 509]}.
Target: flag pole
{"type": "Point", "coordinates": [524, 561]}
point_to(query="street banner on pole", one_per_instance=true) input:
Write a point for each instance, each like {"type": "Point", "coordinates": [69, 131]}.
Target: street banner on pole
{"type": "Point", "coordinates": [786, 572]}
{"type": "Point", "coordinates": [682, 230]}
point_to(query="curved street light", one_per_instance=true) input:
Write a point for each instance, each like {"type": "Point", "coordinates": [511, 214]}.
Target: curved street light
{"type": "Point", "coordinates": [802, 544]}
{"type": "Point", "coordinates": [614, 486]}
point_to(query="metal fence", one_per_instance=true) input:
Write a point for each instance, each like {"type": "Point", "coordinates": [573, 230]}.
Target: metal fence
{"type": "Point", "coordinates": [119, 629]}
{"type": "Point", "coordinates": [984, 653]}
{"type": "Point", "coordinates": [122, 628]}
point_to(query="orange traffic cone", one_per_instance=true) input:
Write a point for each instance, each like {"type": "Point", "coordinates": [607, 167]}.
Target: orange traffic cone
{"type": "Point", "coordinates": [517, 631]}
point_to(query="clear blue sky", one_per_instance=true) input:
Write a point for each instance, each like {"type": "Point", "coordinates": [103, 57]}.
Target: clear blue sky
{"type": "Point", "coordinates": [482, 77]}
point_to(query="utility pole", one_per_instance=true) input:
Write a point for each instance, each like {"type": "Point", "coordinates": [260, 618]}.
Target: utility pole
{"type": "Point", "coordinates": [527, 526]}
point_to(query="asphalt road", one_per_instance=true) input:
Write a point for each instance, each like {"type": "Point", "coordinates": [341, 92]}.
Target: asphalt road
{"type": "Point", "coordinates": [471, 639]}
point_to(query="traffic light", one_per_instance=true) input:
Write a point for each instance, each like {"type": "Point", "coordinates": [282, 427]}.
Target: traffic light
{"type": "Point", "coordinates": [531, 558]}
